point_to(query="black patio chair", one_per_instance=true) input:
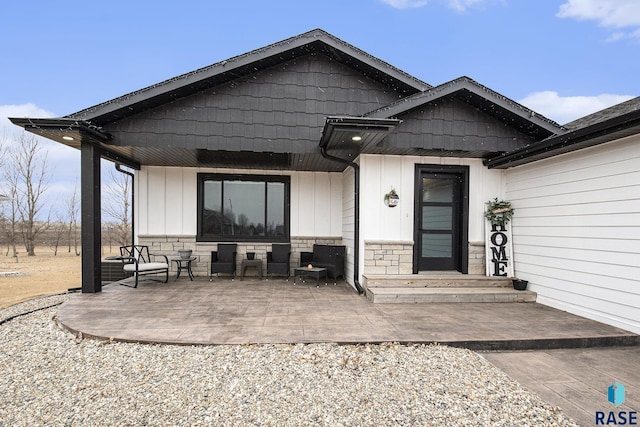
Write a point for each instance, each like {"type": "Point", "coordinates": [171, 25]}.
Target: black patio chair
{"type": "Point", "coordinates": [278, 260]}
{"type": "Point", "coordinates": [137, 260]}
{"type": "Point", "coordinates": [224, 260]}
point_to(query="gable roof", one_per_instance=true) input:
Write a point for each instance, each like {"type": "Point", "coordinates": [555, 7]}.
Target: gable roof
{"type": "Point", "coordinates": [533, 135]}
{"type": "Point", "coordinates": [612, 123]}
{"type": "Point", "coordinates": [96, 124]}
{"type": "Point", "coordinates": [315, 41]}
{"type": "Point", "coordinates": [624, 108]}
{"type": "Point", "coordinates": [481, 97]}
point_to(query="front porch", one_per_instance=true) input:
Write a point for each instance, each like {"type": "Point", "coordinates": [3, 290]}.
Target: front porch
{"type": "Point", "coordinates": [275, 311]}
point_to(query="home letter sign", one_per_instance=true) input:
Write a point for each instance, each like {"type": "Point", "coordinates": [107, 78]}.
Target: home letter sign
{"type": "Point", "coordinates": [499, 250]}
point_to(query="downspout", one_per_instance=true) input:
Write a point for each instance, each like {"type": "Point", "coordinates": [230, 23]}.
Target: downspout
{"type": "Point", "coordinates": [133, 199]}
{"type": "Point", "coordinates": [356, 223]}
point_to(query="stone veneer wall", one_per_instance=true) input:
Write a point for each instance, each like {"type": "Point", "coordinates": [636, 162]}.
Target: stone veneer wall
{"type": "Point", "coordinates": [476, 258]}
{"type": "Point", "coordinates": [169, 246]}
{"type": "Point", "coordinates": [389, 257]}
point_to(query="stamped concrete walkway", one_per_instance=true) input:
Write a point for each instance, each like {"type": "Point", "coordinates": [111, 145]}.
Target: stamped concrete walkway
{"type": "Point", "coordinates": [577, 380]}
{"type": "Point", "coordinates": [276, 311]}
{"type": "Point", "coordinates": [571, 367]}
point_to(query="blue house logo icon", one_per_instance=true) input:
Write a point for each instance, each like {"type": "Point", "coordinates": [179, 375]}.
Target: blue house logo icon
{"type": "Point", "coordinates": [616, 394]}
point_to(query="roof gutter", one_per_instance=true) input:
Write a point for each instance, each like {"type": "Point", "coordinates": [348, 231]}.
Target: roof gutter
{"type": "Point", "coordinates": [369, 132]}
{"type": "Point", "coordinates": [588, 136]}
{"type": "Point", "coordinates": [356, 225]}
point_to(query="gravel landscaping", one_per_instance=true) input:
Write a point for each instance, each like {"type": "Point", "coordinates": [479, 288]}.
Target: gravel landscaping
{"type": "Point", "coordinates": [50, 377]}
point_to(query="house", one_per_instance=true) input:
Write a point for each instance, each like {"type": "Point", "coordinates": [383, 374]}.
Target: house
{"type": "Point", "coordinates": [301, 140]}
{"type": "Point", "coordinates": [576, 231]}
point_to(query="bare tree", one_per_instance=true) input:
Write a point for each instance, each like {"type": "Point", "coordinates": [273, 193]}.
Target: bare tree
{"type": "Point", "coordinates": [10, 208]}
{"type": "Point", "coordinates": [73, 209]}
{"type": "Point", "coordinates": [11, 223]}
{"type": "Point", "coordinates": [57, 229]}
{"type": "Point", "coordinates": [117, 205]}
{"type": "Point", "coordinates": [29, 166]}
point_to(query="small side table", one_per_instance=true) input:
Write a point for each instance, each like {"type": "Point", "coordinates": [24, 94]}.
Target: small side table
{"type": "Point", "coordinates": [184, 263]}
{"type": "Point", "coordinates": [246, 263]}
{"type": "Point", "coordinates": [316, 272]}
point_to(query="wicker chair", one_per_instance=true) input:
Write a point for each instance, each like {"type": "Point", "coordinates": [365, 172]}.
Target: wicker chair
{"type": "Point", "coordinates": [278, 260]}
{"type": "Point", "coordinates": [224, 260]}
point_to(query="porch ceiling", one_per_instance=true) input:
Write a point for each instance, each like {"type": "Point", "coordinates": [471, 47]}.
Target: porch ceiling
{"type": "Point", "coordinates": [337, 136]}
{"type": "Point", "coordinates": [347, 137]}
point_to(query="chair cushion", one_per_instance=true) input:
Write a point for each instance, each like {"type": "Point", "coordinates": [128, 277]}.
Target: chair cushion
{"type": "Point", "coordinates": [321, 253]}
{"type": "Point", "coordinates": [147, 266]}
{"type": "Point", "coordinates": [226, 252]}
{"type": "Point", "coordinates": [281, 253]}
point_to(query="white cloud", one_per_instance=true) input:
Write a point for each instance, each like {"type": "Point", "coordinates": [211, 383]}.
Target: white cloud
{"type": "Point", "coordinates": [405, 4]}
{"type": "Point", "coordinates": [614, 14]}
{"type": "Point", "coordinates": [463, 5]}
{"type": "Point", "coordinates": [564, 109]}
{"type": "Point", "coordinates": [23, 110]}
{"type": "Point", "coordinates": [63, 162]}
{"type": "Point", "coordinates": [457, 5]}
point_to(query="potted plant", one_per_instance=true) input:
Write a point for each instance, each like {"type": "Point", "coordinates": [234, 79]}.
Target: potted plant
{"type": "Point", "coordinates": [519, 284]}
{"type": "Point", "coordinates": [499, 213]}
{"type": "Point", "coordinates": [185, 253]}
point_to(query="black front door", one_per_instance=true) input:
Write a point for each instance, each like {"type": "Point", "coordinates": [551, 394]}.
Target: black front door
{"type": "Point", "coordinates": [440, 219]}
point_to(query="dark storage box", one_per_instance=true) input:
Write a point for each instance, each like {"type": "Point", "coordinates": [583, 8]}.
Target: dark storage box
{"type": "Point", "coordinates": [112, 270]}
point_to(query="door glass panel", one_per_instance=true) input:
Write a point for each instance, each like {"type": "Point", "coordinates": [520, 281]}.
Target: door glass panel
{"type": "Point", "coordinates": [436, 217]}
{"type": "Point", "coordinates": [436, 245]}
{"type": "Point", "coordinates": [437, 190]}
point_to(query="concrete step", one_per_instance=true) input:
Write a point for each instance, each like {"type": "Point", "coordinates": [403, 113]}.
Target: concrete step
{"type": "Point", "coordinates": [415, 295]}
{"type": "Point", "coordinates": [436, 281]}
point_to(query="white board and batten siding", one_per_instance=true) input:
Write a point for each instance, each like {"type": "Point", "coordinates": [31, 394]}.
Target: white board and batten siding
{"type": "Point", "coordinates": [380, 173]}
{"type": "Point", "coordinates": [576, 231]}
{"type": "Point", "coordinates": [316, 204]}
{"type": "Point", "coordinates": [349, 222]}
{"type": "Point", "coordinates": [166, 201]}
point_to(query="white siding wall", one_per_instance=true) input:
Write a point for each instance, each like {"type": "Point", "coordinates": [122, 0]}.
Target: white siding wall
{"type": "Point", "coordinates": [380, 173]}
{"type": "Point", "coordinates": [576, 231]}
{"type": "Point", "coordinates": [166, 201]}
{"type": "Point", "coordinates": [348, 223]}
{"type": "Point", "coordinates": [316, 204]}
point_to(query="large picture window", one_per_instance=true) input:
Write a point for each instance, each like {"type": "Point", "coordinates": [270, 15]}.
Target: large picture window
{"type": "Point", "coordinates": [243, 208]}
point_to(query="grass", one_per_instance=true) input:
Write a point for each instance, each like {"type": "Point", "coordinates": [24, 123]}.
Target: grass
{"type": "Point", "coordinates": [43, 274]}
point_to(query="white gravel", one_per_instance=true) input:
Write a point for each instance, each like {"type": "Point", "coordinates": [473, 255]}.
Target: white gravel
{"type": "Point", "coordinates": [49, 377]}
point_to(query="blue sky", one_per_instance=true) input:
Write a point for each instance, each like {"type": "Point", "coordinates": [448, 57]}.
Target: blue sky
{"type": "Point", "coordinates": [561, 58]}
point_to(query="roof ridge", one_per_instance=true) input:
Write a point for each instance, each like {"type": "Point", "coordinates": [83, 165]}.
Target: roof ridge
{"type": "Point", "coordinates": [315, 34]}
{"type": "Point", "coordinates": [623, 107]}
{"type": "Point", "coordinates": [435, 90]}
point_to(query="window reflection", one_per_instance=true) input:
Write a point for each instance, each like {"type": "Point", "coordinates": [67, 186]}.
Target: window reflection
{"type": "Point", "coordinates": [243, 209]}
{"type": "Point", "coordinates": [244, 204]}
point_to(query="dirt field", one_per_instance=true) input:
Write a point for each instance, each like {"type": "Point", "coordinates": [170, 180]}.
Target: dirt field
{"type": "Point", "coordinates": [43, 274]}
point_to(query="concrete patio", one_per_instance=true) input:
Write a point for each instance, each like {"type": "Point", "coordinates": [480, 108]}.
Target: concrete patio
{"type": "Point", "coordinates": [571, 369]}
{"type": "Point", "coordinates": [277, 311]}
